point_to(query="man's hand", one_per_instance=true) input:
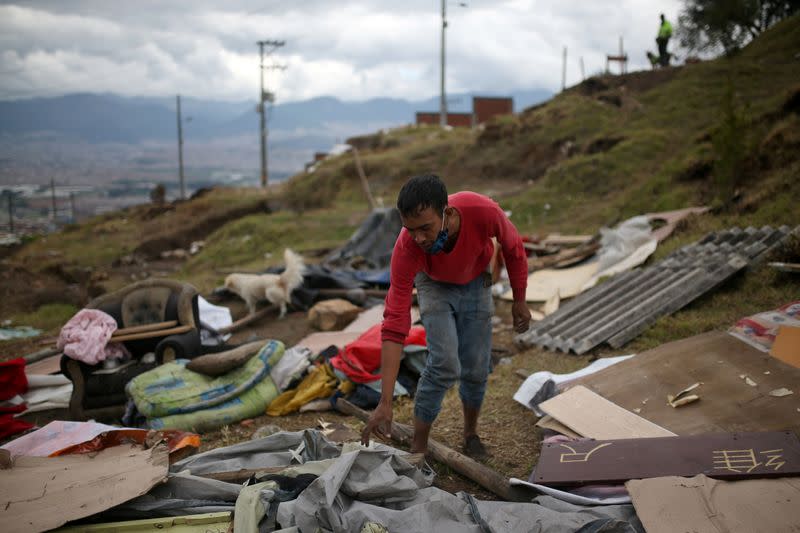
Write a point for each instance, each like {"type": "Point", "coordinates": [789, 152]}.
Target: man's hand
{"type": "Point", "coordinates": [380, 422]}
{"type": "Point", "coordinates": [521, 315]}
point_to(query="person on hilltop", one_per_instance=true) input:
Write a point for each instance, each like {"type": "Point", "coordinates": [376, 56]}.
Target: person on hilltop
{"type": "Point", "coordinates": [445, 248]}
{"type": "Point", "coordinates": [664, 34]}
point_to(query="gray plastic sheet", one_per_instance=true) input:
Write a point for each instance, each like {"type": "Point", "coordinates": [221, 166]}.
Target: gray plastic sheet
{"type": "Point", "coordinates": [280, 449]}
{"type": "Point", "coordinates": [378, 486]}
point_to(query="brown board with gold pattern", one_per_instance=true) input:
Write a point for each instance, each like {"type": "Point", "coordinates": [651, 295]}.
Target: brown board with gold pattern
{"type": "Point", "coordinates": [721, 456]}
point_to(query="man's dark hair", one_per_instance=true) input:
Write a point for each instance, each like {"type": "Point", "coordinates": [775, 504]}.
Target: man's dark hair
{"type": "Point", "coordinates": [421, 192]}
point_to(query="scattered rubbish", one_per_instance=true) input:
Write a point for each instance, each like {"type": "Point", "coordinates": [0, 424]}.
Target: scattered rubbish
{"type": "Point", "coordinates": [695, 358]}
{"type": "Point", "coordinates": [671, 219]}
{"type": "Point", "coordinates": [530, 393]}
{"type": "Point", "coordinates": [719, 455]}
{"type": "Point", "coordinates": [64, 438]}
{"type": "Point", "coordinates": [749, 381]}
{"type": "Point", "coordinates": [778, 393]}
{"type": "Point", "coordinates": [18, 332]}
{"type": "Point", "coordinates": [668, 504]}
{"type": "Point", "coordinates": [787, 345]}
{"type": "Point", "coordinates": [760, 330]}
{"type": "Point", "coordinates": [334, 314]}
{"type": "Point", "coordinates": [683, 397]}
{"type": "Point", "coordinates": [621, 308]}
{"type": "Point", "coordinates": [42, 493]}
{"type": "Point", "coordinates": [551, 305]}
{"type": "Point", "coordinates": [792, 268]}
{"type": "Point", "coordinates": [590, 415]}
{"type": "Point", "coordinates": [172, 396]}
{"type": "Point", "coordinates": [266, 430]}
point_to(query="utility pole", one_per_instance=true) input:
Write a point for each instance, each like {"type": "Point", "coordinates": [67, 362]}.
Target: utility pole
{"type": "Point", "coordinates": [262, 98]}
{"type": "Point", "coordinates": [53, 196]}
{"type": "Point", "coordinates": [72, 206]}
{"type": "Point", "coordinates": [11, 211]}
{"type": "Point", "coordinates": [443, 97]}
{"type": "Point", "coordinates": [583, 73]}
{"type": "Point", "coordinates": [564, 70]}
{"type": "Point", "coordinates": [180, 147]}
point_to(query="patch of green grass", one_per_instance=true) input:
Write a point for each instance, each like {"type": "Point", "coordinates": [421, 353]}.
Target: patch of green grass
{"type": "Point", "coordinates": [46, 317]}
{"type": "Point", "coordinates": [245, 243]}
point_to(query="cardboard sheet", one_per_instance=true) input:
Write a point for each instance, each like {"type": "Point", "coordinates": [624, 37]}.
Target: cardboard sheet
{"type": "Point", "coordinates": [787, 345]}
{"type": "Point", "coordinates": [591, 415]}
{"type": "Point", "coordinates": [41, 493]}
{"type": "Point", "coordinates": [567, 282]}
{"type": "Point", "coordinates": [769, 454]}
{"type": "Point", "coordinates": [704, 505]}
{"type": "Point", "coordinates": [727, 403]}
{"type": "Point", "coordinates": [316, 342]}
{"type": "Point", "coordinates": [50, 365]}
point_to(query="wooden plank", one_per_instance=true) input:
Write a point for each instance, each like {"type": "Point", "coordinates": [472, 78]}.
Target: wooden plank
{"type": "Point", "coordinates": [480, 474]}
{"type": "Point", "coordinates": [316, 342]}
{"type": "Point", "coordinates": [367, 319]}
{"type": "Point", "coordinates": [721, 456]}
{"type": "Point", "coordinates": [145, 327]}
{"type": "Point", "coordinates": [590, 415]}
{"type": "Point", "coordinates": [704, 505]}
{"type": "Point", "coordinates": [786, 347]}
{"type": "Point", "coordinates": [727, 404]}
{"type": "Point", "coordinates": [548, 422]}
{"type": "Point", "coordinates": [152, 334]}
{"type": "Point", "coordinates": [249, 319]}
{"type": "Point", "coordinates": [41, 493]}
{"type": "Point", "coordinates": [51, 365]}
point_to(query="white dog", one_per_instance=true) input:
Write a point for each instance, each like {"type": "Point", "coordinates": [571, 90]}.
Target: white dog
{"type": "Point", "coordinates": [275, 288]}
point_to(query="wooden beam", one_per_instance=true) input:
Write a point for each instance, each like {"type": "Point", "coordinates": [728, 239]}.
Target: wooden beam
{"type": "Point", "coordinates": [480, 474]}
{"type": "Point", "coordinates": [249, 319]}
{"type": "Point", "coordinates": [144, 327]}
{"type": "Point", "coordinates": [152, 334]}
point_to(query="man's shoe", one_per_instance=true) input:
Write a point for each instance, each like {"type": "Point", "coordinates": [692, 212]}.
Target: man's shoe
{"type": "Point", "coordinates": [473, 447]}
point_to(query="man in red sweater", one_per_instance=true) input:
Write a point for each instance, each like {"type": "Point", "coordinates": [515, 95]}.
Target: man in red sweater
{"type": "Point", "coordinates": [444, 248]}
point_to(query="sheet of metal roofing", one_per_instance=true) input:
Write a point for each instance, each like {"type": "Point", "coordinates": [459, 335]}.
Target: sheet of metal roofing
{"type": "Point", "coordinates": [621, 308]}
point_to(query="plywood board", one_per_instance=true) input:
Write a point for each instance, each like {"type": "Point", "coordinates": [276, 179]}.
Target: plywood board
{"type": "Point", "coordinates": [51, 365]}
{"type": "Point", "coordinates": [787, 345]}
{"type": "Point", "coordinates": [704, 505]}
{"type": "Point", "coordinates": [722, 455]}
{"type": "Point", "coordinates": [591, 415]}
{"type": "Point", "coordinates": [366, 319]}
{"type": "Point", "coordinates": [717, 361]}
{"type": "Point", "coordinates": [41, 493]}
{"type": "Point", "coordinates": [567, 282]}
{"type": "Point", "coordinates": [373, 316]}
{"type": "Point", "coordinates": [316, 342]}
{"type": "Point", "coordinates": [548, 422]}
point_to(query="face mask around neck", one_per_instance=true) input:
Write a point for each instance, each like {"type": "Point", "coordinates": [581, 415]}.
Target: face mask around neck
{"type": "Point", "coordinates": [441, 238]}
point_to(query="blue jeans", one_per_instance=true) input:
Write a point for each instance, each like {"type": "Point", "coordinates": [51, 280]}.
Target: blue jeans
{"type": "Point", "coordinates": [458, 326]}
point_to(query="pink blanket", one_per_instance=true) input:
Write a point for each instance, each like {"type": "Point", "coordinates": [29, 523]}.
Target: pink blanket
{"type": "Point", "coordinates": [85, 337]}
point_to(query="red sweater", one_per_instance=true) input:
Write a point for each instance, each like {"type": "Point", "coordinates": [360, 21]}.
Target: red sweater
{"type": "Point", "coordinates": [481, 219]}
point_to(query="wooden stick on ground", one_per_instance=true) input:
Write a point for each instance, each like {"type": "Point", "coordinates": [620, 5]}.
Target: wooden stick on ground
{"type": "Point", "coordinates": [145, 327]}
{"type": "Point", "coordinates": [480, 474]}
{"type": "Point", "coordinates": [249, 319]}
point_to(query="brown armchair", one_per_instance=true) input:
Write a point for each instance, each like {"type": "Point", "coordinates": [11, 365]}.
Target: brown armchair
{"type": "Point", "coordinates": [158, 316]}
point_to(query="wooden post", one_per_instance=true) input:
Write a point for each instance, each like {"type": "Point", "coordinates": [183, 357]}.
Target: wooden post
{"type": "Point", "coordinates": [363, 177]}
{"type": "Point", "coordinates": [249, 319]}
{"type": "Point", "coordinates": [480, 474]}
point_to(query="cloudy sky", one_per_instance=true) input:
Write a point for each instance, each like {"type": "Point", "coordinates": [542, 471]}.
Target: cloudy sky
{"type": "Point", "coordinates": [351, 49]}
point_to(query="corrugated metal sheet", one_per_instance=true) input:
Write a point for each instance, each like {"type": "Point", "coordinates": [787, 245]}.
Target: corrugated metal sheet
{"type": "Point", "coordinates": [621, 308]}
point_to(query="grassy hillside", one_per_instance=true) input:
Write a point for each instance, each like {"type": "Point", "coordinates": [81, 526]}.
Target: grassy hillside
{"type": "Point", "coordinates": [724, 133]}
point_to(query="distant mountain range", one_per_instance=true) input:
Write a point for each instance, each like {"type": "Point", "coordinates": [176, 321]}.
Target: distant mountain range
{"type": "Point", "coordinates": [316, 123]}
